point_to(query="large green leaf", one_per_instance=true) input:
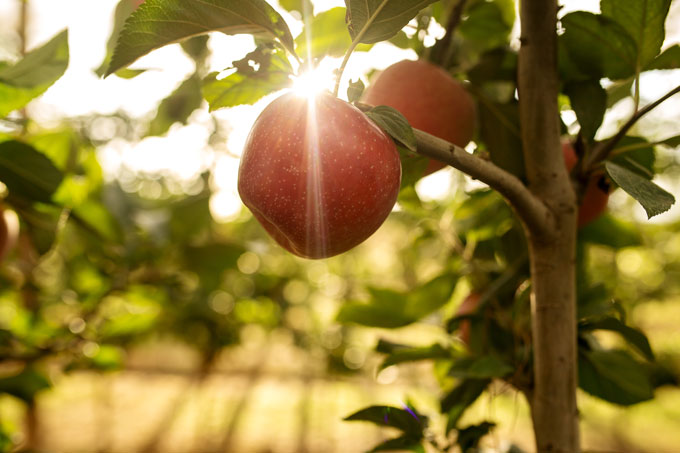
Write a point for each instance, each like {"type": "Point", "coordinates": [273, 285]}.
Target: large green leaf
{"type": "Point", "coordinates": [488, 23]}
{"type": "Point", "coordinates": [589, 101]}
{"type": "Point", "coordinates": [377, 20]}
{"type": "Point", "coordinates": [596, 46]}
{"type": "Point", "coordinates": [33, 74]}
{"type": "Point", "coordinates": [247, 85]}
{"type": "Point", "coordinates": [157, 23]}
{"type": "Point", "coordinates": [614, 376]}
{"type": "Point", "coordinates": [499, 131]}
{"type": "Point", "coordinates": [644, 21]}
{"type": "Point", "coordinates": [653, 198]}
{"type": "Point", "coordinates": [325, 34]}
{"type": "Point", "coordinates": [27, 173]}
{"type": "Point", "coordinates": [123, 11]}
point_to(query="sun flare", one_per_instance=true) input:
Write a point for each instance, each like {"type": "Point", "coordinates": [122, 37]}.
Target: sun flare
{"type": "Point", "coordinates": [311, 83]}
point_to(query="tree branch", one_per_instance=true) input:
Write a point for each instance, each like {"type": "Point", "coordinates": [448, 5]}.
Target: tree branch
{"type": "Point", "coordinates": [529, 208]}
{"type": "Point", "coordinates": [601, 152]}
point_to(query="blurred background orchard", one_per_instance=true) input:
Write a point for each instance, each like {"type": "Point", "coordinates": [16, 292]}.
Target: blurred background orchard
{"type": "Point", "coordinates": [149, 311]}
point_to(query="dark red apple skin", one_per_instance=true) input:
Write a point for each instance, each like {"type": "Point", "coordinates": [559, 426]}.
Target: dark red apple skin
{"type": "Point", "coordinates": [595, 198]}
{"type": "Point", "coordinates": [429, 98]}
{"type": "Point", "coordinates": [323, 212]}
{"type": "Point", "coordinates": [468, 306]}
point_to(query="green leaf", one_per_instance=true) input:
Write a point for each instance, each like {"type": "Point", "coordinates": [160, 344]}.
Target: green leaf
{"type": "Point", "coordinates": [596, 46]}
{"type": "Point", "coordinates": [669, 59]}
{"type": "Point", "coordinates": [644, 21]}
{"type": "Point", "coordinates": [296, 5]}
{"type": "Point", "coordinates": [24, 385]}
{"type": "Point", "coordinates": [123, 11]}
{"type": "Point", "coordinates": [619, 90]}
{"type": "Point", "coordinates": [488, 23]}
{"type": "Point", "coordinates": [460, 398]}
{"type": "Point", "coordinates": [177, 107]}
{"type": "Point", "coordinates": [498, 64]}
{"type": "Point", "coordinates": [407, 420]}
{"type": "Point", "coordinates": [469, 437]}
{"type": "Point", "coordinates": [499, 131]}
{"type": "Point", "coordinates": [157, 23]}
{"type": "Point", "coordinates": [196, 47]}
{"type": "Point", "coordinates": [589, 101]}
{"type": "Point", "coordinates": [95, 216]}
{"type": "Point", "coordinates": [639, 158]}
{"type": "Point", "coordinates": [41, 221]}
{"type": "Point", "coordinates": [31, 76]}
{"type": "Point", "coordinates": [413, 167]}
{"type": "Point", "coordinates": [400, 354]}
{"type": "Point", "coordinates": [394, 124]}
{"type": "Point", "coordinates": [27, 173]}
{"type": "Point", "coordinates": [611, 232]}
{"type": "Point", "coordinates": [630, 334]}
{"type": "Point", "coordinates": [614, 376]}
{"type": "Point", "coordinates": [480, 368]}
{"type": "Point", "coordinates": [355, 90]}
{"type": "Point", "coordinates": [327, 36]}
{"type": "Point", "coordinates": [372, 21]}
{"type": "Point", "coordinates": [405, 442]}
{"type": "Point", "coordinates": [248, 85]}
{"type": "Point", "coordinates": [653, 198]}
{"type": "Point", "coordinates": [391, 309]}
{"type": "Point", "coordinates": [672, 142]}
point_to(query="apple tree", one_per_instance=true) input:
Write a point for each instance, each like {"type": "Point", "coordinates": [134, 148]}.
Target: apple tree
{"type": "Point", "coordinates": [522, 239]}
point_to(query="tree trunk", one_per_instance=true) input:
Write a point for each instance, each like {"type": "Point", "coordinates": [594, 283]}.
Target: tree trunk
{"type": "Point", "coordinates": [552, 251]}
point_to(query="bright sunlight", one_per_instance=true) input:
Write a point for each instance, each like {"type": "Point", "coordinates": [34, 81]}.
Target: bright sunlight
{"type": "Point", "coordinates": [320, 79]}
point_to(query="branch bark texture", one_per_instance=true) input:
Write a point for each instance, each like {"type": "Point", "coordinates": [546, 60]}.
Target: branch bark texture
{"type": "Point", "coordinates": [529, 208]}
{"type": "Point", "coordinates": [552, 253]}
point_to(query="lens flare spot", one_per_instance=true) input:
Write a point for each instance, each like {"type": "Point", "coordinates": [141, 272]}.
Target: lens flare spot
{"type": "Point", "coordinates": [311, 83]}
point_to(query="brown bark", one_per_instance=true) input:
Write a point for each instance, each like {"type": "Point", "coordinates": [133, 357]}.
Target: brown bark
{"type": "Point", "coordinates": [552, 254]}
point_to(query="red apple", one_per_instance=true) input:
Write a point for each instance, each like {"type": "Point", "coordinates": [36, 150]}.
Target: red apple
{"type": "Point", "coordinates": [595, 197]}
{"type": "Point", "coordinates": [429, 98]}
{"type": "Point", "coordinates": [318, 174]}
{"type": "Point", "coordinates": [468, 306]}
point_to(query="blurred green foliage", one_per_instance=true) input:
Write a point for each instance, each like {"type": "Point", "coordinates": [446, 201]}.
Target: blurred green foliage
{"type": "Point", "coordinates": [99, 268]}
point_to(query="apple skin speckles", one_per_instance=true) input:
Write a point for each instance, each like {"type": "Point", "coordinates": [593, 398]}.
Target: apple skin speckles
{"type": "Point", "coordinates": [318, 174]}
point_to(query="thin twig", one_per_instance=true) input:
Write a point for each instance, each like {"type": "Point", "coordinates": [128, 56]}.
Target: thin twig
{"type": "Point", "coordinates": [605, 148]}
{"type": "Point", "coordinates": [441, 50]}
{"type": "Point", "coordinates": [355, 42]}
